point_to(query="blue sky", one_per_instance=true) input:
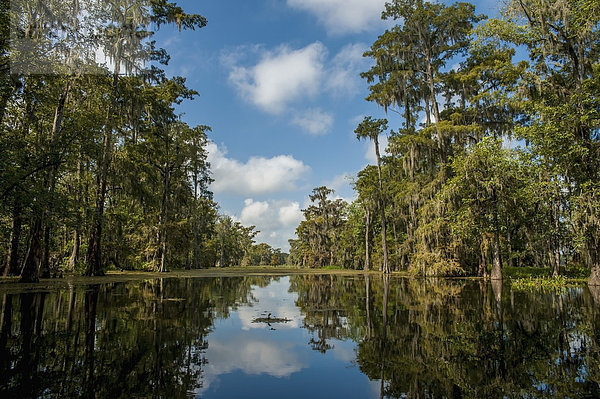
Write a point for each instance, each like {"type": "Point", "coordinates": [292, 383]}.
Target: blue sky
{"type": "Point", "coordinates": [280, 86]}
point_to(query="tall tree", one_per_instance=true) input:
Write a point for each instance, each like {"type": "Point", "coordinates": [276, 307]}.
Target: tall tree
{"type": "Point", "coordinates": [371, 128]}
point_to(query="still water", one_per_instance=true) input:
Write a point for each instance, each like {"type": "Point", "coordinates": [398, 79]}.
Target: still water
{"type": "Point", "coordinates": [299, 336]}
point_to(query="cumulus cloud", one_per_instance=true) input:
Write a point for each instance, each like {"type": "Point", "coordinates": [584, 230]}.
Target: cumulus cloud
{"type": "Point", "coordinates": [281, 79]}
{"type": "Point", "coordinates": [281, 76]}
{"type": "Point", "coordinates": [258, 175]}
{"type": "Point", "coordinates": [290, 215]}
{"type": "Point", "coordinates": [258, 213]}
{"type": "Point", "coordinates": [252, 356]}
{"type": "Point", "coordinates": [344, 71]}
{"type": "Point", "coordinates": [343, 16]}
{"type": "Point", "coordinates": [276, 220]}
{"type": "Point", "coordinates": [314, 121]}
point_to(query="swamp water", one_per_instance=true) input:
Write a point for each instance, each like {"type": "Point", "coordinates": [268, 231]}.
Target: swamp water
{"type": "Point", "coordinates": [298, 336]}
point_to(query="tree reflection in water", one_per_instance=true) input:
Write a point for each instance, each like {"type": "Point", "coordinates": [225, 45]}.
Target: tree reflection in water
{"type": "Point", "coordinates": [413, 338]}
{"type": "Point", "coordinates": [144, 339]}
{"type": "Point", "coordinates": [451, 338]}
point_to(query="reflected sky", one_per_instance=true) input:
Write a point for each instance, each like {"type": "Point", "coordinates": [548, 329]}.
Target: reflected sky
{"type": "Point", "coordinates": [271, 360]}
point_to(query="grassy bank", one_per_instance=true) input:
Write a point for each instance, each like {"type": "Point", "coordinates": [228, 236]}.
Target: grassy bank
{"type": "Point", "coordinates": [533, 278]}
{"type": "Point", "coordinates": [519, 277]}
{"type": "Point", "coordinates": [130, 275]}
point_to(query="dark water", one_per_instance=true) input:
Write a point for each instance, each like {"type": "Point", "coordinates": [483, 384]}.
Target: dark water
{"type": "Point", "coordinates": [308, 336]}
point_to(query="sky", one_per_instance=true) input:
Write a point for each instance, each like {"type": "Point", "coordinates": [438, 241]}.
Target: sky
{"type": "Point", "coordinates": [279, 84]}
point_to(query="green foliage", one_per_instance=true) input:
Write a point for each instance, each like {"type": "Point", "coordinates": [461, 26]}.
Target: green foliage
{"type": "Point", "coordinates": [320, 234]}
{"type": "Point", "coordinates": [527, 272]}
{"type": "Point", "coordinates": [504, 168]}
{"type": "Point", "coordinates": [539, 283]}
{"type": "Point", "coordinates": [97, 170]}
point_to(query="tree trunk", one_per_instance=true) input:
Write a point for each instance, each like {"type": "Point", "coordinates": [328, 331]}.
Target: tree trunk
{"type": "Point", "coordinates": [5, 331]}
{"type": "Point", "coordinates": [482, 271]}
{"type": "Point", "coordinates": [594, 279]}
{"type": "Point", "coordinates": [163, 221]}
{"type": "Point", "coordinates": [31, 267]}
{"type": "Point", "coordinates": [386, 266]}
{"type": "Point", "coordinates": [45, 264]}
{"type": "Point", "coordinates": [74, 258]}
{"type": "Point", "coordinates": [12, 259]}
{"type": "Point", "coordinates": [510, 260]}
{"type": "Point", "coordinates": [50, 179]}
{"type": "Point", "coordinates": [9, 83]}
{"type": "Point", "coordinates": [196, 223]}
{"type": "Point", "coordinates": [163, 256]}
{"type": "Point", "coordinates": [195, 254]}
{"type": "Point", "coordinates": [222, 260]}
{"type": "Point", "coordinates": [94, 258]}
{"type": "Point", "coordinates": [407, 117]}
{"type": "Point", "coordinates": [496, 259]}
{"type": "Point", "coordinates": [435, 109]}
{"type": "Point", "coordinates": [556, 261]}
{"type": "Point", "coordinates": [595, 293]}
{"type": "Point", "coordinates": [556, 239]}
{"type": "Point", "coordinates": [496, 256]}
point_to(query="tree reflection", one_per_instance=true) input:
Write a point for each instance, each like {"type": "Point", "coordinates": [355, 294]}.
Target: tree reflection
{"type": "Point", "coordinates": [325, 300]}
{"type": "Point", "coordinates": [453, 338]}
{"type": "Point", "coordinates": [416, 338]}
{"type": "Point", "coordinates": [143, 339]}
{"type": "Point", "coordinates": [91, 302]}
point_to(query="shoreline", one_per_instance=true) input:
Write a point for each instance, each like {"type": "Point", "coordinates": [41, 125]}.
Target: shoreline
{"type": "Point", "coordinates": [239, 271]}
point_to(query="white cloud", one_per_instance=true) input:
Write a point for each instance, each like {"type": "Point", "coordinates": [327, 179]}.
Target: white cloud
{"type": "Point", "coordinates": [280, 77]}
{"type": "Point", "coordinates": [314, 121]}
{"type": "Point", "coordinates": [252, 356]}
{"type": "Point", "coordinates": [290, 215]}
{"type": "Point", "coordinates": [344, 71]}
{"type": "Point", "coordinates": [258, 175]}
{"type": "Point", "coordinates": [283, 78]}
{"type": "Point", "coordinates": [344, 16]}
{"type": "Point", "coordinates": [276, 220]}
{"type": "Point", "coordinates": [254, 212]}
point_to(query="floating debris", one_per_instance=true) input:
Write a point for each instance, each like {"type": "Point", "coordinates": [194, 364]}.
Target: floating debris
{"type": "Point", "coordinates": [270, 320]}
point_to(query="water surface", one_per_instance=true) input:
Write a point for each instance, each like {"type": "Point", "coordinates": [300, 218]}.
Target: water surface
{"type": "Point", "coordinates": [317, 336]}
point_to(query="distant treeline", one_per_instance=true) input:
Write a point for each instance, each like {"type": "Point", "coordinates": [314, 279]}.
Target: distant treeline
{"type": "Point", "coordinates": [97, 169]}
{"type": "Point", "coordinates": [496, 160]}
